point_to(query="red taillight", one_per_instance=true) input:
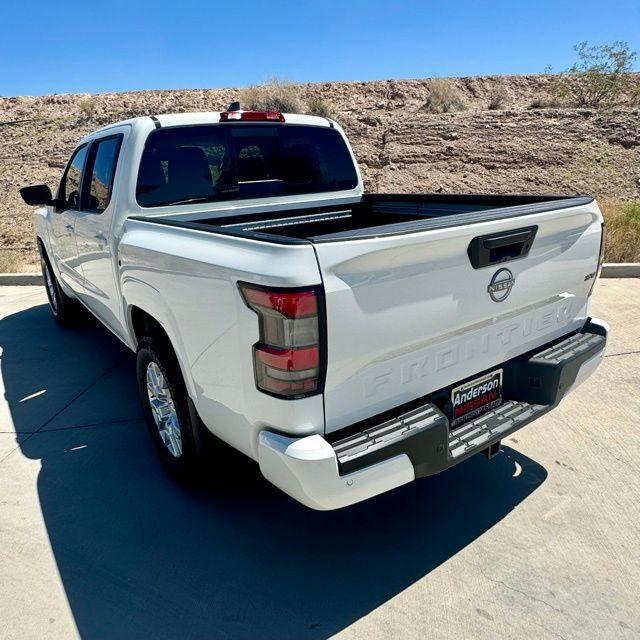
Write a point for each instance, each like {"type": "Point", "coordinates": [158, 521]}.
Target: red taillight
{"type": "Point", "coordinates": [252, 116]}
{"type": "Point", "coordinates": [296, 304]}
{"type": "Point", "coordinates": [287, 360]}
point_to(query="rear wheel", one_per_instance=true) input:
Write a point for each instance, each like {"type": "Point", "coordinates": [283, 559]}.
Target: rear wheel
{"type": "Point", "coordinates": [173, 429]}
{"type": "Point", "coordinates": [65, 309]}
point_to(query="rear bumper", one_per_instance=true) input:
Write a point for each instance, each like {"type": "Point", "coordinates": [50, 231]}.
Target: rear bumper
{"type": "Point", "coordinates": [419, 442]}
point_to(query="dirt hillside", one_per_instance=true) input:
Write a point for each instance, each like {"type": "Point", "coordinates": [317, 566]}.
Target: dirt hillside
{"type": "Point", "coordinates": [400, 147]}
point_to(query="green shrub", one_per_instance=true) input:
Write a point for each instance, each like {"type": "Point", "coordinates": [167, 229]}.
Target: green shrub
{"type": "Point", "coordinates": [498, 99]}
{"type": "Point", "coordinates": [272, 95]}
{"type": "Point", "coordinates": [319, 107]}
{"type": "Point", "coordinates": [600, 77]}
{"type": "Point", "coordinates": [87, 106]}
{"type": "Point", "coordinates": [543, 102]}
{"type": "Point", "coordinates": [443, 97]}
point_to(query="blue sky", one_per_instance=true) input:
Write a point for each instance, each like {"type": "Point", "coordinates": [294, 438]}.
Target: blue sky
{"type": "Point", "coordinates": [70, 46]}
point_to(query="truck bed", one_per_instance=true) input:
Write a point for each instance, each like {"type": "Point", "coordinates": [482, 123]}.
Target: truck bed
{"type": "Point", "coordinates": [421, 292]}
{"type": "Point", "coordinates": [374, 215]}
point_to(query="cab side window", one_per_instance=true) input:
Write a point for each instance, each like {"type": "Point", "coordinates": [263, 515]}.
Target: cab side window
{"type": "Point", "coordinates": [70, 185]}
{"type": "Point", "coordinates": [100, 172]}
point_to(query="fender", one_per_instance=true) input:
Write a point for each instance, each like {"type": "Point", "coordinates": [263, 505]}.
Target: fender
{"type": "Point", "coordinates": [136, 293]}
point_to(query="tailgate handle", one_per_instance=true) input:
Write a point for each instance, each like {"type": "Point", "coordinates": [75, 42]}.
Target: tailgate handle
{"type": "Point", "coordinates": [497, 248]}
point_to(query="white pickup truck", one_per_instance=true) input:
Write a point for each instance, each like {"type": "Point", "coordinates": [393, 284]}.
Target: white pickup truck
{"type": "Point", "coordinates": [348, 342]}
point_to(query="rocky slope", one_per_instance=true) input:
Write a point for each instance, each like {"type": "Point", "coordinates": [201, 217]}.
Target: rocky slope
{"type": "Point", "coordinates": [400, 147]}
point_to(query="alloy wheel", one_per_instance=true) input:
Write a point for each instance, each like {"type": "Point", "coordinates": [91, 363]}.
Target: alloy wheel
{"type": "Point", "coordinates": [163, 410]}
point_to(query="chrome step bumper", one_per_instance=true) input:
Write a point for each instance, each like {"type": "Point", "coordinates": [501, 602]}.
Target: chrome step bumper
{"type": "Point", "coordinates": [493, 426]}
{"type": "Point", "coordinates": [387, 439]}
{"type": "Point", "coordinates": [534, 384]}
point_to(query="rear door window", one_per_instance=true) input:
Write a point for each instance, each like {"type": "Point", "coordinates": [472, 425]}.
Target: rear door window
{"type": "Point", "coordinates": [229, 161]}
{"type": "Point", "coordinates": [101, 169]}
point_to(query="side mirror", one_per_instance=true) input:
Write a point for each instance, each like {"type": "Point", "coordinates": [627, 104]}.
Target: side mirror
{"type": "Point", "coordinates": [36, 195]}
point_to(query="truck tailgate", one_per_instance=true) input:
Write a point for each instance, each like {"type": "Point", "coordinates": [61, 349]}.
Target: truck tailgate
{"type": "Point", "coordinates": [409, 314]}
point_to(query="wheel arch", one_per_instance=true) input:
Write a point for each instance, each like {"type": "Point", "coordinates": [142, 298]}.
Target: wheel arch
{"type": "Point", "coordinates": [143, 324]}
{"type": "Point", "coordinates": [42, 247]}
{"type": "Point", "coordinates": [46, 254]}
{"type": "Point", "coordinates": [148, 315]}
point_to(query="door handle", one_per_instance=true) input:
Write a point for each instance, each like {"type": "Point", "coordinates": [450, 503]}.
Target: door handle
{"type": "Point", "coordinates": [497, 248]}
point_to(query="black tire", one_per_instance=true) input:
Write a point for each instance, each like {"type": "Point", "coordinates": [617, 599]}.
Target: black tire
{"type": "Point", "coordinates": [66, 310]}
{"type": "Point", "coordinates": [188, 464]}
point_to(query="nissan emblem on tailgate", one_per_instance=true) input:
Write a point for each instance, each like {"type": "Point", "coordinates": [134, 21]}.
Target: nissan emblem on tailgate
{"type": "Point", "coordinates": [501, 284]}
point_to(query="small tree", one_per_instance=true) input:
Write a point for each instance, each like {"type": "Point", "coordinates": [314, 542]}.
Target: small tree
{"type": "Point", "coordinates": [600, 77]}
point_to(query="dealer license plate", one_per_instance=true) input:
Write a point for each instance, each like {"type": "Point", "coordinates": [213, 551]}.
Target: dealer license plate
{"type": "Point", "coordinates": [472, 398]}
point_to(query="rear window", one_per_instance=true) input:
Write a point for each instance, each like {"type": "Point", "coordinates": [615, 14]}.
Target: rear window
{"type": "Point", "coordinates": [225, 162]}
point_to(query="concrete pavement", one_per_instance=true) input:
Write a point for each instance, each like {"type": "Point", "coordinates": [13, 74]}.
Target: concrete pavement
{"type": "Point", "coordinates": [96, 542]}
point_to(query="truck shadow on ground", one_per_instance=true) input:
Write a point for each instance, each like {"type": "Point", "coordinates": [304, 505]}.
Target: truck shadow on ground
{"type": "Point", "coordinates": [140, 556]}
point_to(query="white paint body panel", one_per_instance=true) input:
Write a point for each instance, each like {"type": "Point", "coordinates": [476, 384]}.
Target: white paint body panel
{"type": "Point", "coordinates": [96, 258]}
{"type": "Point", "coordinates": [307, 470]}
{"type": "Point", "coordinates": [188, 281]}
{"type": "Point", "coordinates": [408, 315]}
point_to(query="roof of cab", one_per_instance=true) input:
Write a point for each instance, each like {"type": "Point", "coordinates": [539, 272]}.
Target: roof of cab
{"type": "Point", "coordinates": [207, 117]}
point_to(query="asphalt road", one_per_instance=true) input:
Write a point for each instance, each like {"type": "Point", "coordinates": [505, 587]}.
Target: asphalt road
{"type": "Point", "coordinates": [96, 541]}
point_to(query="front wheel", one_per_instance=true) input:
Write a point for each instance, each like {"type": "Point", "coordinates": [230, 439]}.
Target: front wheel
{"type": "Point", "coordinates": [65, 309]}
{"type": "Point", "coordinates": [165, 405]}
